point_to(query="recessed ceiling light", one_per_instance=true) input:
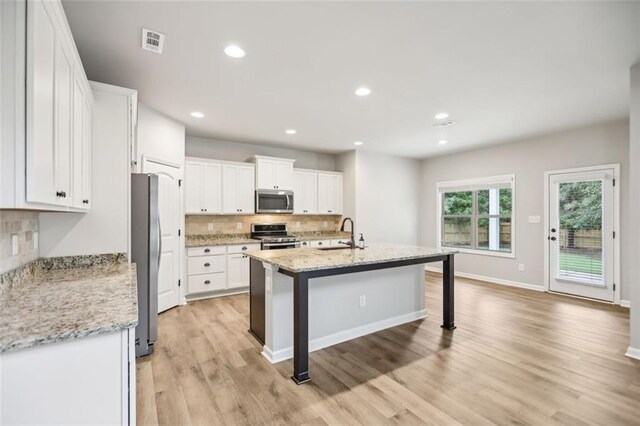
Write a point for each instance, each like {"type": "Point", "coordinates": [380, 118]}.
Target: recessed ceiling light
{"type": "Point", "coordinates": [363, 91]}
{"type": "Point", "coordinates": [197, 114]}
{"type": "Point", "coordinates": [441, 115]}
{"type": "Point", "coordinates": [234, 51]}
{"type": "Point", "coordinates": [442, 142]}
{"type": "Point", "coordinates": [290, 131]}
{"type": "Point", "coordinates": [358, 143]}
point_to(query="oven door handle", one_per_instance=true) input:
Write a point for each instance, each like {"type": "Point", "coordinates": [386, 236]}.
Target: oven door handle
{"type": "Point", "coordinates": [288, 202]}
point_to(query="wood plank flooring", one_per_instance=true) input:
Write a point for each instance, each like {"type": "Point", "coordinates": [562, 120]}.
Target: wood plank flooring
{"type": "Point", "coordinates": [517, 357]}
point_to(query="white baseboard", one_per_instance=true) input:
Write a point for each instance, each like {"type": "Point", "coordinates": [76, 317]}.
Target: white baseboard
{"type": "Point", "coordinates": [633, 353]}
{"type": "Point", "coordinates": [220, 293]}
{"type": "Point", "coordinates": [625, 303]}
{"type": "Point", "coordinates": [490, 279]}
{"type": "Point", "coordinates": [343, 336]}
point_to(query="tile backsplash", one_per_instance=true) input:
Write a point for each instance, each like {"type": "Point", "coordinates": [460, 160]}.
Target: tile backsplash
{"type": "Point", "coordinates": [23, 225]}
{"type": "Point", "coordinates": [241, 224]}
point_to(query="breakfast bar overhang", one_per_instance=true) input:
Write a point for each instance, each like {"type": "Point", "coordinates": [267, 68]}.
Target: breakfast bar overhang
{"type": "Point", "coordinates": [303, 265]}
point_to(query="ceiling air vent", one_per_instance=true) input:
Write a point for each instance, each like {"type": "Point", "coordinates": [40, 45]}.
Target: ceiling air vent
{"type": "Point", "coordinates": [152, 41]}
{"type": "Point", "coordinates": [445, 124]}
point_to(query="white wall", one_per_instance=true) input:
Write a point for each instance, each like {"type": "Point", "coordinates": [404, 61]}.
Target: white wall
{"type": "Point", "coordinates": [159, 137]}
{"type": "Point", "coordinates": [528, 159]}
{"type": "Point", "coordinates": [105, 228]}
{"type": "Point", "coordinates": [381, 194]}
{"type": "Point", "coordinates": [633, 278]}
{"type": "Point", "coordinates": [236, 151]}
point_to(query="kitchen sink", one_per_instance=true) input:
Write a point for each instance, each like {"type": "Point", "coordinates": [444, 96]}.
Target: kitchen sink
{"type": "Point", "coordinates": [334, 248]}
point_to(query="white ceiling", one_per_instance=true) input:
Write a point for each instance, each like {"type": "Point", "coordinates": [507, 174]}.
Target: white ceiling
{"type": "Point", "coordinates": [503, 71]}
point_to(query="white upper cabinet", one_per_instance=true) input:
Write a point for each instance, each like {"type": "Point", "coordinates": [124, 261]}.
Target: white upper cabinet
{"type": "Point", "coordinates": [274, 173]}
{"type": "Point", "coordinates": [193, 187]}
{"type": "Point", "coordinates": [203, 192]}
{"type": "Point", "coordinates": [41, 64]}
{"type": "Point", "coordinates": [329, 193]}
{"type": "Point", "coordinates": [305, 192]}
{"type": "Point", "coordinates": [212, 188]}
{"type": "Point", "coordinates": [238, 189]}
{"type": "Point", "coordinates": [48, 124]}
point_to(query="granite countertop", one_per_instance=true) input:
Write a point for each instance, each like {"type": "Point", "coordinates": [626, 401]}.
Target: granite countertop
{"type": "Point", "coordinates": [322, 235]}
{"type": "Point", "coordinates": [234, 239]}
{"type": "Point", "coordinates": [305, 260]}
{"type": "Point", "coordinates": [218, 240]}
{"type": "Point", "coordinates": [68, 303]}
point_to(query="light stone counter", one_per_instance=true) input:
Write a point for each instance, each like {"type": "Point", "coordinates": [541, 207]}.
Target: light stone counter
{"type": "Point", "coordinates": [202, 240]}
{"type": "Point", "coordinates": [65, 304]}
{"type": "Point", "coordinates": [305, 260]}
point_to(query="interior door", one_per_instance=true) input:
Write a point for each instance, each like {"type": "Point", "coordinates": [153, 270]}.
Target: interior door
{"type": "Point", "coordinates": [169, 210]}
{"type": "Point", "coordinates": [580, 234]}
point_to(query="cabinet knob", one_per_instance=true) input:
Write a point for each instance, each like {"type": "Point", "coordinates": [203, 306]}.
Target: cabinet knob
{"type": "Point", "coordinates": [244, 247]}
{"type": "Point", "coordinates": [207, 282]}
{"type": "Point", "coordinates": [207, 250]}
{"type": "Point", "coordinates": [320, 243]}
{"type": "Point", "coordinates": [59, 194]}
{"type": "Point", "coordinates": [207, 264]}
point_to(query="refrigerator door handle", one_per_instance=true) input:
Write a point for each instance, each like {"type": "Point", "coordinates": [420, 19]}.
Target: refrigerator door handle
{"type": "Point", "coordinates": [159, 241]}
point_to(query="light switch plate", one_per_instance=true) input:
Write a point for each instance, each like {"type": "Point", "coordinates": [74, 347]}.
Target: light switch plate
{"type": "Point", "coordinates": [534, 219]}
{"type": "Point", "coordinates": [521, 267]}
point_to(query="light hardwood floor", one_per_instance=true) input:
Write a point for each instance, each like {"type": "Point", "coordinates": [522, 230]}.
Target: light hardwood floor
{"type": "Point", "coordinates": [517, 357]}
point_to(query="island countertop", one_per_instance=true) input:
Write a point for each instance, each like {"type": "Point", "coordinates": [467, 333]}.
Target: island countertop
{"type": "Point", "coordinates": [66, 304]}
{"type": "Point", "coordinates": [305, 260]}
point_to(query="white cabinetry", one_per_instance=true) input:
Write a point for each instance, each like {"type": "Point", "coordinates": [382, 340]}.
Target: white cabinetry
{"type": "Point", "coordinates": [217, 269]}
{"type": "Point", "coordinates": [238, 189]}
{"type": "Point", "coordinates": [203, 192]}
{"type": "Point", "coordinates": [274, 173]}
{"type": "Point", "coordinates": [43, 120]}
{"type": "Point", "coordinates": [90, 380]}
{"type": "Point", "coordinates": [305, 192]}
{"type": "Point", "coordinates": [329, 193]}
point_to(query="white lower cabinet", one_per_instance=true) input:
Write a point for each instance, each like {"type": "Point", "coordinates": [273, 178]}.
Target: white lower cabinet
{"type": "Point", "coordinates": [320, 243]}
{"type": "Point", "coordinates": [89, 380]}
{"type": "Point", "coordinates": [218, 268]}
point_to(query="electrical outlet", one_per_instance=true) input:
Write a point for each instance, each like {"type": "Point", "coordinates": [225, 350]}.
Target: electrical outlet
{"type": "Point", "coordinates": [239, 225]}
{"type": "Point", "coordinates": [325, 224]}
{"type": "Point", "coordinates": [210, 226]}
{"type": "Point", "coordinates": [521, 267]}
{"type": "Point", "coordinates": [35, 240]}
{"type": "Point", "coordinates": [363, 301]}
{"type": "Point", "coordinates": [14, 244]}
{"type": "Point", "coordinates": [297, 224]}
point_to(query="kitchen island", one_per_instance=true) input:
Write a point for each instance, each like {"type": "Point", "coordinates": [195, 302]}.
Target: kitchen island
{"type": "Point", "coordinates": [308, 299]}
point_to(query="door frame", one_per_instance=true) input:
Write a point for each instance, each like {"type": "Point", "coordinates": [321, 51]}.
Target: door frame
{"type": "Point", "coordinates": [144, 159]}
{"type": "Point", "coordinates": [616, 224]}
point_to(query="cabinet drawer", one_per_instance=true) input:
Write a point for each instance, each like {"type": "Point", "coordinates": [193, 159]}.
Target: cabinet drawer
{"type": "Point", "coordinates": [320, 243]}
{"type": "Point", "coordinates": [205, 251]}
{"type": "Point", "coordinates": [242, 248]}
{"type": "Point", "coordinates": [207, 282]}
{"type": "Point", "coordinates": [206, 264]}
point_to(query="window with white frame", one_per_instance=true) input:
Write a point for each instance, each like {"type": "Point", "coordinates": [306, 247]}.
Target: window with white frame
{"type": "Point", "coordinates": [476, 215]}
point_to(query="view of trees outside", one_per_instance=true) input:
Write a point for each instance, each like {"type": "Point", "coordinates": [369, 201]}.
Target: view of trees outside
{"type": "Point", "coordinates": [460, 218]}
{"type": "Point", "coordinates": [580, 214]}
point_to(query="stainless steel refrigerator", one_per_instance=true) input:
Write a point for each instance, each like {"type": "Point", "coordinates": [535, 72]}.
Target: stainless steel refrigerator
{"type": "Point", "coordinates": [146, 246]}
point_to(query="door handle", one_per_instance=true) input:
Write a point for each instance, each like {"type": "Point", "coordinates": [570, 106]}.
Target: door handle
{"type": "Point", "coordinates": [552, 238]}
{"type": "Point", "coordinates": [553, 229]}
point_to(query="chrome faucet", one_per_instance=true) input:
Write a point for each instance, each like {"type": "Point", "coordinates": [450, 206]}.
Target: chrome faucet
{"type": "Point", "coordinates": [352, 241]}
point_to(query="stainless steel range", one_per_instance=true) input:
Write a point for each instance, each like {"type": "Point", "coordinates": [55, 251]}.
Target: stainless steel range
{"type": "Point", "coordinates": [274, 236]}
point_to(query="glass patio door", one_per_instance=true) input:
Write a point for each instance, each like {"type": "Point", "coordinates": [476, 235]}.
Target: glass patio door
{"type": "Point", "coordinates": [580, 234]}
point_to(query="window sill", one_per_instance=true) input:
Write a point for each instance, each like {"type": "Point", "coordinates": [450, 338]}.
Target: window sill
{"type": "Point", "coordinates": [511, 255]}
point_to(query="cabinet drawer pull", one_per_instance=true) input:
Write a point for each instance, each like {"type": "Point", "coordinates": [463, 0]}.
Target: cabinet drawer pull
{"type": "Point", "coordinates": [207, 250]}
{"type": "Point", "coordinates": [207, 282]}
{"type": "Point", "coordinates": [207, 264]}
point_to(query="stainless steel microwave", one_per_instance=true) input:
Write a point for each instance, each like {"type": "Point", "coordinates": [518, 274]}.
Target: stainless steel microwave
{"type": "Point", "coordinates": [274, 201]}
